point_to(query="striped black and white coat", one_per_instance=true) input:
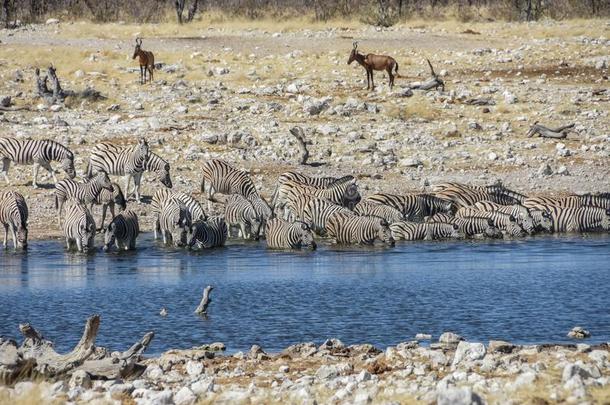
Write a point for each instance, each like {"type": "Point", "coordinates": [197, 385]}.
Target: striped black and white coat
{"type": "Point", "coordinates": [263, 210]}
{"type": "Point", "coordinates": [521, 213]}
{"type": "Point", "coordinates": [14, 217]}
{"type": "Point", "coordinates": [159, 167]}
{"type": "Point", "coordinates": [289, 235]}
{"type": "Point", "coordinates": [78, 226]}
{"type": "Point", "coordinates": [317, 211]}
{"type": "Point", "coordinates": [467, 197]}
{"type": "Point", "coordinates": [408, 230]}
{"type": "Point", "coordinates": [472, 227]}
{"type": "Point", "coordinates": [122, 231]}
{"type": "Point", "coordinates": [317, 182]}
{"type": "Point", "coordinates": [507, 223]}
{"type": "Point", "coordinates": [220, 177]}
{"type": "Point", "coordinates": [207, 234]}
{"type": "Point", "coordinates": [175, 221]}
{"type": "Point", "coordinates": [362, 230]}
{"type": "Point", "coordinates": [414, 207]}
{"type": "Point", "coordinates": [542, 220]}
{"type": "Point", "coordinates": [120, 161]}
{"type": "Point", "coordinates": [162, 195]}
{"type": "Point", "coordinates": [582, 219]}
{"type": "Point", "coordinates": [38, 153]}
{"type": "Point", "coordinates": [87, 193]}
{"type": "Point", "coordinates": [492, 189]}
{"type": "Point", "coordinates": [240, 215]}
{"type": "Point", "coordinates": [390, 214]}
{"type": "Point", "coordinates": [573, 201]}
{"type": "Point", "coordinates": [109, 200]}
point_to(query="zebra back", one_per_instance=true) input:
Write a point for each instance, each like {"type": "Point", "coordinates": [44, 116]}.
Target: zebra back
{"type": "Point", "coordinates": [78, 224]}
{"type": "Point", "coordinates": [118, 161]}
{"type": "Point", "coordinates": [288, 235]}
{"type": "Point", "coordinates": [26, 152]}
{"type": "Point", "coordinates": [390, 214]}
{"type": "Point", "coordinates": [239, 211]}
{"type": "Point", "coordinates": [225, 179]}
{"type": "Point", "coordinates": [412, 206]}
{"type": "Point", "coordinates": [318, 182]}
{"type": "Point", "coordinates": [317, 211]}
{"type": "Point", "coordinates": [581, 219]}
{"type": "Point", "coordinates": [208, 234]}
{"type": "Point", "coordinates": [175, 219]}
{"type": "Point", "coordinates": [358, 229]}
{"type": "Point", "coordinates": [156, 164]}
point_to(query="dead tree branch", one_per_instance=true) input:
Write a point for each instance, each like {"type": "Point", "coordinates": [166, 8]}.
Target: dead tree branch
{"type": "Point", "coordinates": [299, 135]}
{"type": "Point", "coordinates": [542, 131]}
{"type": "Point", "coordinates": [202, 309]}
{"type": "Point", "coordinates": [434, 82]}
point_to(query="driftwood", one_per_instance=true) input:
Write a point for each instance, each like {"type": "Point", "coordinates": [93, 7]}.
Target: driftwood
{"type": "Point", "coordinates": [299, 135]}
{"type": "Point", "coordinates": [36, 357]}
{"type": "Point", "coordinates": [432, 83]}
{"type": "Point", "coordinates": [58, 94]}
{"type": "Point", "coordinates": [480, 101]}
{"type": "Point", "coordinates": [557, 133]}
{"type": "Point", "coordinates": [202, 309]}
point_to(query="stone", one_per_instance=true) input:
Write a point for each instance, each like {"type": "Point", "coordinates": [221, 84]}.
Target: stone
{"type": "Point", "coordinates": [331, 371]}
{"type": "Point", "coordinates": [119, 390]}
{"type": "Point", "coordinates": [450, 339]}
{"type": "Point", "coordinates": [154, 372]}
{"type": "Point", "coordinates": [544, 170]}
{"type": "Point", "coordinates": [165, 397]}
{"type": "Point", "coordinates": [563, 171]}
{"type": "Point", "coordinates": [404, 92]}
{"type": "Point", "coordinates": [363, 376]}
{"type": "Point", "coordinates": [80, 378]}
{"type": "Point", "coordinates": [468, 351]}
{"type": "Point", "coordinates": [510, 98]}
{"type": "Point", "coordinates": [578, 332]}
{"type": "Point", "coordinates": [203, 386]}
{"type": "Point", "coordinates": [185, 397]}
{"type": "Point", "coordinates": [330, 344]}
{"type": "Point", "coordinates": [410, 162]}
{"type": "Point", "coordinates": [292, 88]}
{"type": "Point", "coordinates": [492, 156]}
{"type": "Point", "coordinates": [315, 107]}
{"type": "Point", "coordinates": [194, 368]}
{"type": "Point", "coordinates": [5, 101]}
{"type": "Point", "coordinates": [208, 138]}
{"type": "Point", "coordinates": [500, 346]}
{"type": "Point", "coordinates": [458, 396]}
{"type": "Point", "coordinates": [581, 370]}
{"type": "Point", "coordinates": [423, 336]}
{"type": "Point", "coordinates": [52, 21]}
{"type": "Point", "coordinates": [257, 353]}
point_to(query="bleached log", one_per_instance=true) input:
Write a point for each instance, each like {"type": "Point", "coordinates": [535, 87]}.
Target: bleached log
{"type": "Point", "coordinates": [557, 133]}
{"type": "Point", "coordinates": [432, 83]}
{"type": "Point", "coordinates": [299, 135]}
{"type": "Point", "coordinates": [202, 309]}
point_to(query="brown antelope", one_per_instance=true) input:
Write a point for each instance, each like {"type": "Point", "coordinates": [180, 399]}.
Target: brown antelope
{"type": "Point", "coordinates": [147, 61]}
{"type": "Point", "coordinates": [372, 62]}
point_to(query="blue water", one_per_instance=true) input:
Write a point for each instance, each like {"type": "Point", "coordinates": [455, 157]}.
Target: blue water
{"type": "Point", "coordinates": [528, 291]}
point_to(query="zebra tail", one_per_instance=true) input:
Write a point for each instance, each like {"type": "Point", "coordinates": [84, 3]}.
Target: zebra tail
{"type": "Point", "coordinates": [88, 170]}
{"type": "Point", "coordinates": [56, 202]}
{"type": "Point", "coordinates": [203, 185]}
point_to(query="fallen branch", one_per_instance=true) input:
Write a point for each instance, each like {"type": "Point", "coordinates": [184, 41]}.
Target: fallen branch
{"type": "Point", "coordinates": [557, 133]}
{"type": "Point", "coordinates": [202, 309]}
{"type": "Point", "coordinates": [299, 135]}
{"type": "Point", "coordinates": [58, 94]}
{"type": "Point", "coordinates": [432, 83]}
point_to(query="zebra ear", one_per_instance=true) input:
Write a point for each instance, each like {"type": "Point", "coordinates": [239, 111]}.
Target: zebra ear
{"type": "Point", "coordinates": [490, 221]}
{"type": "Point", "coordinates": [304, 226]}
{"type": "Point", "coordinates": [512, 218]}
{"type": "Point", "coordinates": [456, 227]}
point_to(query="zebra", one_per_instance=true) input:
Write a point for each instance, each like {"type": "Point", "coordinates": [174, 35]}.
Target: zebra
{"type": "Point", "coordinates": [86, 193]}
{"type": "Point", "coordinates": [163, 194]}
{"type": "Point", "coordinates": [363, 230]}
{"type": "Point", "coordinates": [110, 199]}
{"type": "Point", "coordinates": [581, 219]}
{"type": "Point", "coordinates": [542, 220]}
{"type": "Point", "coordinates": [78, 226]}
{"type": "Point", "coordinates": [465, 198]}
{"type": "Point", "coordinates": [174, 221]}
{"type": "Point", "coordinates": [14, 215]}
{"type": "Point", "coordinates": [507, 223]}
{"type": "Point", "coordinates": [573, 201]}
{"type": "Point", "coordinates": [208, 234]}
{"type": "Point", "coordinates": [289, 235]}
{"type": "Point", "coordinates": [122, 231]}
{"type": "Point", "coordinates": [263, 210]}
{"type": "Point", "coordinates": [127, 161]}
{"type": "Point", "coordinates": [472, 227]}
{"type": "Point", "coordinates": [390, 214]}
{"type": "Point", "coordinates": [317, 211]}
{"type": "Point", "coordinates": [220, 177]}
{"type": "Point", "coordinates": [38, 153]}
{"type": "Point", "coordinates": [342, 193]}
{"type": "Point", "coordinates": [412, 207]}
{"type": "Point", "coordinates": [317, 182]}
{"type": "Point", "coordinates": [240, 213]}
{"type": "Point", "coordinates": [408, 230]}
{"type": "Point", "coordinates": [493, 189]}
{"type": "Point", "coordinates": [160, 167]}
{"type": "Point", "coordinates": [521, 213]}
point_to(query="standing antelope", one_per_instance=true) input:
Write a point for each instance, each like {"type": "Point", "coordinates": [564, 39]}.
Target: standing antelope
{"type": "Point", "coordinates": [372, 62]}
{"type": "Point", "coordinates": [147, 62]}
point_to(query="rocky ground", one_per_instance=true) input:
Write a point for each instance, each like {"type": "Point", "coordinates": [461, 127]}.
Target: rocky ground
{"type": "Point", "coordinates": [451, 371]}
{"type": "Point", "coordinates": [234, 92]}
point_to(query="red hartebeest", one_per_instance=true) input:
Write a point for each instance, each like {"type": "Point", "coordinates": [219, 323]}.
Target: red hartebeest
{"type": "Point", "coordinates": [372, 62]}
{"type": "Point", "coordinates": [147, 61]}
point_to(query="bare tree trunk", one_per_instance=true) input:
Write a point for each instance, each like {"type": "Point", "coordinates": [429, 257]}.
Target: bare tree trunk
{"type": "Point", "coordinates": [179, 9]}
{"type": "Point", "coordinates": [205, 301]}
{"type": "Point", "coordinates": [299, 135]}
{"type": "Point", "coordinates": [6, 11]}
{"type": "Point", "coordinates": [192, 11]}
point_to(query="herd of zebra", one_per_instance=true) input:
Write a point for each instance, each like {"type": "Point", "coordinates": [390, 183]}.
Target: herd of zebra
{"type": "Point", "coordinates": [301, 206]}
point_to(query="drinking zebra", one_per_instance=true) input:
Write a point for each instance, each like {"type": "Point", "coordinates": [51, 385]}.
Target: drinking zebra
{"type": "Point", "coordinates": [472, 227]}
{"type": "Point", "coordinates": [110, 199]}
{"type": "Point", "coordinates": [582, 219]}
{"type": "Point", "coordinates": [174, 221]}
{"type": "Point", "coordinates": [317, 211]}
{"type": "Point", "coordinates": [162, 195]}
{"type": "Point", "coordinates": [542, 220]}
{"type": "Point", "coordinates": [240, 214]}
{"type": "Point", "coordinates": [122, 231]}
{"type": "Point", "coordinates": [507, 223]}
{"type": "Point", "coordinates": [493, 189]}
{"type": "Point", "coordinates": [221, 177]}
{"type": "Point", "coordinates": [390, 214]}
{"type": "Point", "coordinates": [120, 161]}
{"type": "Point", "coordinates": [263, 210]}
{"type": "Point", "coordinates": [407, 230]}
{"type": "Point", "coordinates": [86, 193]}
{"type": "Point", "coordinates": [466, 197]}
{"type": "Point", "coordinates": [317, 182]}
{"type": "Point", "coordinates": [521, 214]}
{"type": "Point", "coordinates": [38, 153]}
{"type": "Point", "coordinates": [573, 201]}
{"type": "Point", "coordinates": [78, 226]}
{"type": "Point", "coordinates": [363, 230]}
{"type": "Point", "coordinates": [289, 235]}
{"type": "Point", "coordinates": [208, 234]}
{"type": "Point", "coordinates": [14, 216]}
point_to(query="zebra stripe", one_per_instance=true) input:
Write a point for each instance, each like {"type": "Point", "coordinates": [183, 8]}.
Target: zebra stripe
{"type": "Point", "coordinates": [240, 213]}
{"type": "Point", "coordinates": [317, 211]}
{"type": "Point", "coordinates": [582, 219]}
{"type": "Point", "coordinates": [465, 198]}
{"type": "Point", "coordinates": [358, 229]}
{"type": "Point", "coordinates": [37, 153]}
{"type": "Point", "coordinates": [542, 220]}
{"type": "Point", "coordinates": [288, 235]}
{"type": "Point", "coordinates": [162, 195]}
{"type": "Point", "coordinates": [390, 214]}
{"type": "Point", "coordinates": [317, 182]}
{"type": "Point", "coordinates": [507, 223]}
{"type": "Point", "coordinates": [263, 210]}
{"type": "Point", "coordinates": [14, 216]}
{"type": "Point", "coordinates": [174, 221]}
{"type": "Point", "coordinates": [408, 230]}
{"type": "Point", "coordinates": [472, 227]}
{"type": "Point", "coordinates": [122, 231]}
{"type": "Point", "coordinates": [521, 213]}
{"type": "Point", "coordinates": [208, 234]}
{"type": "Point", "coordinates": [78, 226]}
{"type": "Point", "coordinates": [573, 201]}
{"type": "Point", "coordinates": [493, 189]}
{"type": "Point", "coordinates": [87, 193]}
{"type": "Point", "coordinates": [160, 167]}
{"type": "Point", "coordinates": [220, 177]}
{"type": "Point", "coordinates": [126, 161]}
{"type": "Point", "coordinates": [110, 199]}
{"type": "Point", "coordinates": [412, 206]}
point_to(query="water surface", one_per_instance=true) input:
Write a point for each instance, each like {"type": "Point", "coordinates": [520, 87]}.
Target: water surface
{"type": "Point", "coordinates": [526, 291]}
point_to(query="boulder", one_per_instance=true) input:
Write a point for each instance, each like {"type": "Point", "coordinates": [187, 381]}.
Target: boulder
{"type": "Point", "coordinates": [578, 332]}
{"type": "Point", "coordinates": [458, 396]}
{"type": "Point", "coordinates": [468, 351]}
{"type": "Point", "coordinates": [450, 339]}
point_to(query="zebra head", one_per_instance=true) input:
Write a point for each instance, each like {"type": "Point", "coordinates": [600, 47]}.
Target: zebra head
{"type": "Point", "coordinates": [102, 179]}
{"type": "Point", "coordinates": [142, 150]}
{"type": "Point", "coordinates": [351, 196]}
{"type": "Point", "coordinates": [455, 232]}
{"type": "Point", "coordinates": [492, 231]}
{"type": "Point", "coordinates": [526, 221]}
{"type": "Point", "coordinates": [67, 165]}
{"type": "Point", "coordinates": [109, 236]}
{"type": "Point", "coordinates": [542, 220]}
{"type": "Point", "coordinates": [384, 233]}
{"type": "Point", "coordinates": [305, 236]}
{"type": "Point", "coordinates": [119, 197]}
{"type": "Point", "coordinates": [22, 236]}
{"type": "Point", "coordinates": [512, 228]}
{"type": "Point", "coordinates": [164, 177]}
{"type": "Point", "coordinates": [191, 234]}
{"type": "Point", "coordinates": [606, 221]}
{"type": "Point", "coordinates": [86, 233]}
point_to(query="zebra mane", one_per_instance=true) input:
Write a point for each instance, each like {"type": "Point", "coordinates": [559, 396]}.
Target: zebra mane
{"type": "Point", "coordinates": [155, 163]}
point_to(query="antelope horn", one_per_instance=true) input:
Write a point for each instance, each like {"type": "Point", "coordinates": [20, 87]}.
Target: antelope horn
{"type": "Point", "coordinates": [355, 44]}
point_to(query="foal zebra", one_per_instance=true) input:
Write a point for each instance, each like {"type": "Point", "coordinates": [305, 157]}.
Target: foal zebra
{"type": "Point", "coordinates": [363, 230]}
{"type": "Point", "coordinates": [220, 177]}
{"type": "Point", "coordinates": [317, 211]}
{"type": "Point", "coordinates": [86, 193]}
{"type": "Point", "coordinates": [289, 235]}
{"type": "Point", "coordinates": [14, 216]}
{"type": "Point", "coordinates": [521, 214]}
{"type": "Point", "coordinates": [122, 231]}
{"type": "Point", "coordinates": [162, 195]}
{"type": "Point", "coordinates": [37, 153]}
{"type": "Point", "coordinates": [472, 227]}
{"type": "Point", "coordinates": [207, 234]}
{"type": "Point", "coordinates": [127, 161]}
{"type": "Point", "coordinates": [110, 199]}
{"type": "Point", "coordinates": [240, 213]}
{"type": "Point", "coordinates": [407, 230]}
{"type": "Point", "coordinates": [507, 223]}
{"type": "Point", "coordinates": [174, 221]}
{"type": "Point", "coordinates": [78, 226]}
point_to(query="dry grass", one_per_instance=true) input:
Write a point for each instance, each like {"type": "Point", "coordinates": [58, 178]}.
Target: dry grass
{"type": "Point", "coordinates": [416, 108]}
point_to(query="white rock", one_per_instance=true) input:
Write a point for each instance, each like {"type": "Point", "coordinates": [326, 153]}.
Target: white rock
{"type": "Point", "coordinates": [458, 396]}
{"type": "Point", "coordinates": [578, 332]}
{"type": "Point", "coordinates": [468, 351]}
{"type": "Point", "coordinates": [510, 98]}
{"type": "Point", "coordinates": [80, 378]}
{"type": "Point", "coordinates": [203, 386]}
{"type": "Point", "coordinates": [563, 171]}
{"type": "Point", "coordinates": [52, 21]}
{"type": "Point", "coordinates": [450, 338]}
{"type": "Point", "coordinates": [423, 336]}
{"type": "Point", "coordinates": [185, 397]}
{"type": "Point", "coordinates": [492, 156]}
{"type": "Point", "coordinates": [194, 368]}
{"type": "Point", "coordinates": [208, 138]}
{"type": "Point", "coordinates": [363, 376]}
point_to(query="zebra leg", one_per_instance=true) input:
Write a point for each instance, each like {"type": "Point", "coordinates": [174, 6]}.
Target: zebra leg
{"type": "Point", "coordinates": [163, 234]}
{"type": "Point", "coordinates": [47, 165]}
{"type": "Point", "coordinates": [68, 244]}
{"type": "Point", "coordinates": [136, 186]}
{"type": "Point", "coordinates": [14, 232]}
{"type": "Point", "coordinates": [34, 181]}
{"type": "Point", "coordinates": [104, 208]}
{"type": "Point", "coordinates": [60, 208]}
{"type": "Point", "coordinates": [6, 163]}
{"type": "Point", "coordinates": [5, 235]}
{"type": "Point", "coordinates": [79, 244]}
{"type": "Point", "coordinates": [243, 230]}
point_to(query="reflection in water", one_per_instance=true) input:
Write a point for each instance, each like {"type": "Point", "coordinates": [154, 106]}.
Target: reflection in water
{"type": "Point", "coordinates": [525, 291]}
